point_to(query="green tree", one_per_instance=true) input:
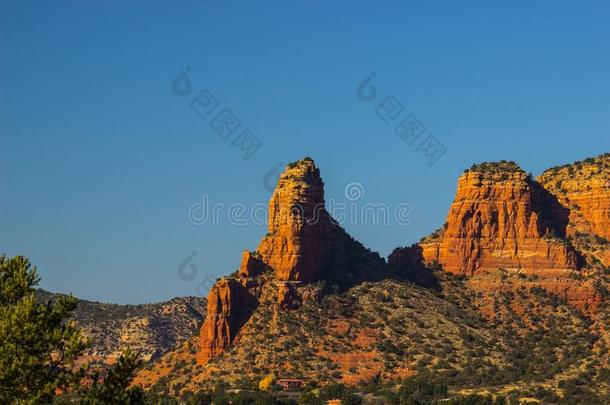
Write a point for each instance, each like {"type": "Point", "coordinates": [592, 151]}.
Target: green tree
{"type": "Point", "coordinates": [340, 391]}
{"type": "Point", "coordinates": [115, 385]}
{"type": "Point", "coordinates": [200, 398]}
{"type": "Point", "coordinates": [38, 345]}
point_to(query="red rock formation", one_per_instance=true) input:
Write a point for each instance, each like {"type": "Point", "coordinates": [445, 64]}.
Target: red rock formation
{"type": "Point", "coordinates": [298, 229]}
{"type": "Point", "coordinates": [583, 187]}
{"type": "Point", "coordinates": [250, 266]}
{"type": "Point", "coordinates": [287, 296]}
{"type": "Point", "coordinates": [500, 219]}
{"type": "Point", "coordinates": [496, 221]}
{"type": "Point", "coordinates": [303, 244]}
{"type": "Point", "coordinates": [229, 307]}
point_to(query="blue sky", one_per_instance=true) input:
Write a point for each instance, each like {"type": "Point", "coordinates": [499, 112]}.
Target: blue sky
{"type": "Point", "coordinates": [100, 161]}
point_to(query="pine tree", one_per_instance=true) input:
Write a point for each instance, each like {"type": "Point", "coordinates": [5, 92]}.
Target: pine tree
{"type": "Point", "coordinates": [39, 345]}
{"type": "Point", "coordinates": [115, 385]}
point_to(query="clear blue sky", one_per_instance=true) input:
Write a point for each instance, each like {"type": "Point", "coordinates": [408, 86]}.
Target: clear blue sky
{"type": "Point", "coordinates": [100, 161]}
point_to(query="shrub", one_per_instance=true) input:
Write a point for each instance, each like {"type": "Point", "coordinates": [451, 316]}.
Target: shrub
{"type": "Point", "coordinates": [267, 383]}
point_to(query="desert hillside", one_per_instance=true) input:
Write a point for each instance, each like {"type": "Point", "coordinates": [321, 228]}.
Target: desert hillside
{"type": "Point", "coordinates": [509, 296]}
{"type": "Point", "coordinates": [151, 329]}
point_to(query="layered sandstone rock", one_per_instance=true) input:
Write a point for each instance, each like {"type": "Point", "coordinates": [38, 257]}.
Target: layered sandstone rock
{"type": "Point", "coordinates": [229, 307]}
{"type": "Point", "coordinates": [303, 244]}
{"type": "Point", "coordinates": [502, 222]}
{"type": "Point", "coordinates": [497, 221]}
{"type": "Point", "coordinates": [584, 188]}
{"type": "Point", "coordinates": [297, 242]}
{"type": "Point", "coordinates": [251, 265]}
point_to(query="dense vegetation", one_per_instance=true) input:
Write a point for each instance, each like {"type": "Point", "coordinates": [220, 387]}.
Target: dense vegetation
{"type": "Point", "coordinates": [409, 391]}
{"type": "Point", "coordinates": [544, 350]}
{"type": "Point", "coordinates": [602, 161]}
{"type": "Point", "coordinates": [534, 342]}
{"type": "Point", "coordinates": [502, 166]}
{"type": "Point", "coordinates": [39, 347]}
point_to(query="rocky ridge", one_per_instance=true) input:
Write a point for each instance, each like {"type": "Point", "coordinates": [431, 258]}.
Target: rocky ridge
{"type": "Point", "coordinates": [303, 245]}
{"type": "Point", "coordinates": [512, 291]}
{"type": "Point", "coordinates": [150, 329]}
{"type": "Point", "coordinates": [497, 220]}
{"type": "Point", "coordinates": [584, 189]}
{"type": "Point", "coordinates": [502, 222]}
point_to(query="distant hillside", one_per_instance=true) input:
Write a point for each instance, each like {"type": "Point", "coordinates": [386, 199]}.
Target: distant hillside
{"type": "Point", "coordinates": [152, 329]}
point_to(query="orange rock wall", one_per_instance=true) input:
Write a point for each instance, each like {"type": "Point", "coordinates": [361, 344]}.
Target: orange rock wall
{"type": "Point", "coordinates": [297, 239]}
{"type": "Point", "coordinates": [303, 244]}
{"type": "Point", "coordinates": [496, 222]}
{"type": "Point", "coordinates": [585, 189]}
{"type": "Point", "coordinates": [229, 307]}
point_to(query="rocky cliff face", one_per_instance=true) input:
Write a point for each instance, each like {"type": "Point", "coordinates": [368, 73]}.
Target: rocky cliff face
{"type": "Point", "coordinates": [497, 220]}
{"type": "Point", "coordinates": [502, 222]}
{"type": "Point", "coordinates": [297, 242]}
{"type": "Point", "coordinates": [584, 188]}
{"type": "Point", "coordinates": [313, 303]}
{"type": "Point", "coordinates": [229, 307]}
{"type": "Point", "coordinates": [303, 244]}
{"type": "Point", "coordinates": [251, 265]}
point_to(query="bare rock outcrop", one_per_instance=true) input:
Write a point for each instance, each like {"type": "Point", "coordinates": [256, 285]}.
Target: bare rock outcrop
{"type": "Point", "coordinates": [503, 222]}
{"type": "Point", "coordinates": [584, 188]}
{"type": "Point", "coordinates": [299, 227]}
{"type": "Point", "coordinates": [229, 307]}
{"type": "Point", "coordinates": [251, 265]}
{"type": "Point", "coordinates": [287, 296]}
{"type": "Point", "coordinates": [303, 245]}
{"type": "Point", "coordinates": [497, 220]}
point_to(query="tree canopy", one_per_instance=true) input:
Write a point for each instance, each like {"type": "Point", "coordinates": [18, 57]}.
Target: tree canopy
{"type": "Point", "coordinates": [39, 346]}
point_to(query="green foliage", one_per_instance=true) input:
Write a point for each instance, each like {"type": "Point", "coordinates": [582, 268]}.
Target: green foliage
{"type": "Point", "coordinates": [387, 346]}
{"type": "Point", "coordinates": [601, 289]}
{"type": "Point", "coordinates": [496, 167]}
{"type": "Point", "coordinates": [599, 160]}
{"type": "Point", "coordinates": [475, 399]}
{"type": "Point", "coordinates": [417, 390]}
{"type": "Point", "coordinates": [254, 398]}
{"type": "Point", "coordinates": [347, 395]}
{"type": "Point", "coordinates": [200, 398]}
{"type": "Point", "coordinates": [435, 266]}
{"type": "Point", "coordinates": [115, 386]}
{"type": "Point", "coordinates": [222, 397]}
{"type": "Point", "coordinates": [38, 345]}
{"type": "Point", "coordinates": [294, 164]}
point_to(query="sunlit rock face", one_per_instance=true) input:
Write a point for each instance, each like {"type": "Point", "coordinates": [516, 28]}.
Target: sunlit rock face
{"type": "Point", "coordinates": [303, 245]}
{"type": "Point", "coordinates": [503, 221]}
